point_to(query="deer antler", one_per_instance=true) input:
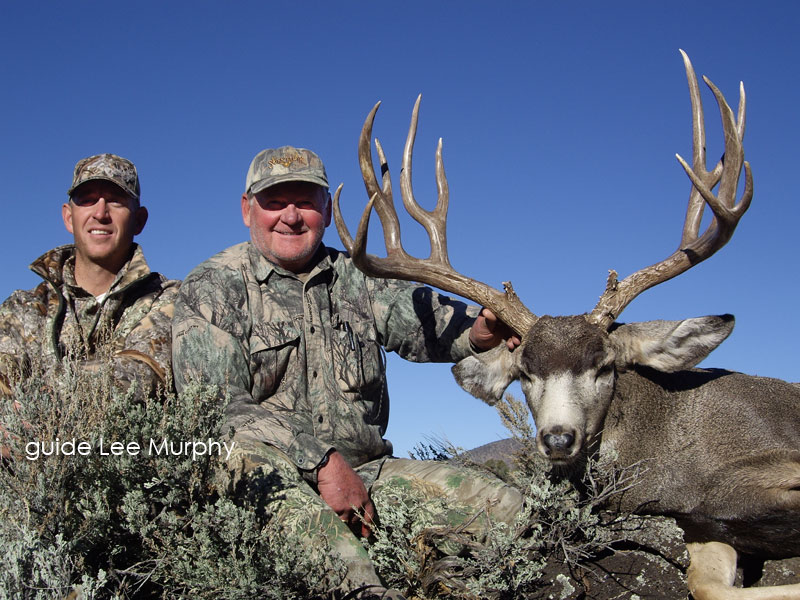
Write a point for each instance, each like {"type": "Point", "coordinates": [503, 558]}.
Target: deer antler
{"type": "Point", "coordinates": [694, 248]}
{"type": "Point", "coordinates": [398, 264]}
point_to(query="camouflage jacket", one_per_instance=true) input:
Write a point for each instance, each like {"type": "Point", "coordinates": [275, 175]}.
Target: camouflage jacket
{"type": "Point", "coordinates": [58, 317]}
{"type": "Point", "coordinates": [302, 363]}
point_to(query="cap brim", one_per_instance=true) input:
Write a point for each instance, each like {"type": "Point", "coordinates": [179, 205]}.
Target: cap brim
{"type": "Point", "coordinates": [260, 186]}
{"type": "Point", "coordinates": [127, 191]}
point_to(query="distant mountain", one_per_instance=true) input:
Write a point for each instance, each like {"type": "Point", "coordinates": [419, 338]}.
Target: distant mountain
{"type": "Point", "coordinates": [500, 450]}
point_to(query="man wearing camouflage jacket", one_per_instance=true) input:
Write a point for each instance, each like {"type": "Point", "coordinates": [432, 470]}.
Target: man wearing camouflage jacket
{"type": "Point", "coordinates": [96, 292]}
{"type": "Point", "coordinates": [295, 334]}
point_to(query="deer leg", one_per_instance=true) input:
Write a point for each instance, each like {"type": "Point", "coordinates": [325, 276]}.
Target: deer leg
{"type": "Point", "coordinates": [712, 571]}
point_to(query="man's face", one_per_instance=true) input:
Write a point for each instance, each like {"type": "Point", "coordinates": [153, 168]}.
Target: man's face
{"type": "Point", "coordinates": [103, 219]}
{"type": "Point", "coordinates": [287, 221]}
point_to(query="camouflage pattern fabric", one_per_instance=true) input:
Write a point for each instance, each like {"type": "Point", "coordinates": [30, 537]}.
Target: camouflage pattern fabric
{"type": "Point", "coordinates": [469, 490]}
{"type": "Point", "coordinates": [269, 480]}
{"type": "Point", "coordinates": [302, 362]}
{"type": "Point", "coordinates": [132, 322]}
{"type": "Point", "coordinates": [108, 167]}
{"type": "Point", "coordinates": [287, 163]}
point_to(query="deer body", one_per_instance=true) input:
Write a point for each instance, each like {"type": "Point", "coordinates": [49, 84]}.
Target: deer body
{"type": "Point", "coordinates": [720, 450]}
{"type": "Point", "coordinates": [743, 488]}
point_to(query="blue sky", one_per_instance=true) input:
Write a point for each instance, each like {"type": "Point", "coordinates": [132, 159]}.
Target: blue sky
{"type": "Point", "coordinates": [560, 123]}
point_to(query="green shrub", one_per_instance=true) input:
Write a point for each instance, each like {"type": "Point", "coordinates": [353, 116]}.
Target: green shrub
{"type": "Point", "coordinates": [147, 525]}
{"type": "Point", "coordinates": [558, 528]}
{"type": "Point", "coordinates": [138, 524]}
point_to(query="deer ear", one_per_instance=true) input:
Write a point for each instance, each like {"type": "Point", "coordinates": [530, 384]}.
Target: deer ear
{"type": "Point", "coordinates": [669, 345]}
{"type": "Point", "coordinates": [488, 374]}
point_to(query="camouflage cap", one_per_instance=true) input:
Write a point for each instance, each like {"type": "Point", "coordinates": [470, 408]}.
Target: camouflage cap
{"type": "Point", "coordinates": [287, 163]}
{"type": "Point", "coordinates": [108, 167]}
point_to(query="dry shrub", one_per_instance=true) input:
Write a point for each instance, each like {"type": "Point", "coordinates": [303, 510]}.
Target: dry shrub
{"type": "Point", "coordinates": [560, 527]}
{"type": "Point", "coordinates": [146, 526]}
{"type": "Point", "coordinates": [137, 524]}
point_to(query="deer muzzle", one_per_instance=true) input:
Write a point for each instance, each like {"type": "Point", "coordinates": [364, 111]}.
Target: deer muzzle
{"type": "Point", "coordinates": [558, 444]}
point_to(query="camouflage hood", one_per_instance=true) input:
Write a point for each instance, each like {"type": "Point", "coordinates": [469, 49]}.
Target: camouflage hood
{"type": "Point", "coordinates": [132, 320]}
{"type": "Point", "coordinates": [58, 268]}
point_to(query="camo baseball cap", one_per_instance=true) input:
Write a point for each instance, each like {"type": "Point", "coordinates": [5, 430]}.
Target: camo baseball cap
{"type": "Point", "coordinates": [108, 167]}
{"type": "Point", "coordinates": [287, 163]}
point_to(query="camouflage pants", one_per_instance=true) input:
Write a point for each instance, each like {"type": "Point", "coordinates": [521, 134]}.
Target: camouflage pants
{"type": "Point", "coordinates": [271, 481]}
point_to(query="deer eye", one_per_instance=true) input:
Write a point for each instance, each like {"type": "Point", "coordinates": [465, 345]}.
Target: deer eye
{"type": "Point", "coordinates": [605, 371]}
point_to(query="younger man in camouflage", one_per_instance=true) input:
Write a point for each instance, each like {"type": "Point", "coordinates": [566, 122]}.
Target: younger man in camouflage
{"type": "Point", "coordinates": [294, 334]}
{"type": "Point", "coordinates": [98, 290]}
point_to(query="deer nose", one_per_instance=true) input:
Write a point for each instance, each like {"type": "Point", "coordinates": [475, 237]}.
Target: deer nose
{"type": "Point", "coordinates": [558, 443]}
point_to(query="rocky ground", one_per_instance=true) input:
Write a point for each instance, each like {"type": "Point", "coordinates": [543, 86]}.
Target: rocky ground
{"type": "Point", "coordinates": [648, 561]}
{"type": "Point", "coordinates": [652, 565]}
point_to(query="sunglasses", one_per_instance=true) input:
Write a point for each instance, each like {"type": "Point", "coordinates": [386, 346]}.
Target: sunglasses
{"type": "Point", "coordinates": [92, 198]}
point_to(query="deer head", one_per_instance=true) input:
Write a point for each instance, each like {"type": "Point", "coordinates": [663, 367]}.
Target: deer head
{"type": "Point", "coordinates": [567, 366]}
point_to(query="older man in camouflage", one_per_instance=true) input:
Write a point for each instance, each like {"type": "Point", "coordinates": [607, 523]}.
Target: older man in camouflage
{"type": "Point", "coordinates": [294, 333]}
{"type": "Point", "coordinates": [98, 291]}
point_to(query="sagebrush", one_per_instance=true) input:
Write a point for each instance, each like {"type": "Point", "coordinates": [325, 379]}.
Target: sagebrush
{"type": "Point", "coordinates": [137, 525]}
{"type": "Point", "coordinates": [133, 524]}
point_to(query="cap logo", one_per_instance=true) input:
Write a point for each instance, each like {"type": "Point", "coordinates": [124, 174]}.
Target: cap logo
{"type": "Point", "coordinates": [279, 165]}
{"type": "Point", "coordinates": [287, 159]}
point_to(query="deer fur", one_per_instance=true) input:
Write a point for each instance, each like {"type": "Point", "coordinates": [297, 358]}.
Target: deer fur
{"type": "Point", "coordinates": [721, 450]}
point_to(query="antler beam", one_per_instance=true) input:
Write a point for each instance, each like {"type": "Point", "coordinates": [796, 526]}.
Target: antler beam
{"type": "Point", "coordinates": [694, 248]}
{"type": "Point", "coordinates": [398, 264]}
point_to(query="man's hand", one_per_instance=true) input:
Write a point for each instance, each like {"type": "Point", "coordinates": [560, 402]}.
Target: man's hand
{"type": "Point", "coordinates": [488, 331]}
{"type": "Point", "coordinates": [343, 490]}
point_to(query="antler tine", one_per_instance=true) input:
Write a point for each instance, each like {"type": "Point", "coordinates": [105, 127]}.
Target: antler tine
{"type": "Point", "coordinates": [435, 221]}
{"type": "Point", "coordinates": [391, 226]}
{"type": "Point", "coordinates": [383, 197]}
{"type": "Point", "coordinates": [694, 212]}
{"type": "Point", "coordinates": [694, 248]}
{"type": "Point", "coordinates": [436, 269]}
{"type": "Point", "coordinates": [341, 226]}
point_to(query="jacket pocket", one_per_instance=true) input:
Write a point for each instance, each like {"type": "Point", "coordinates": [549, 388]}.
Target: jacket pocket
{"type": "Point", "coordinates": [272, 347]}
{"type": "Point", "coordinates": [357, 358]}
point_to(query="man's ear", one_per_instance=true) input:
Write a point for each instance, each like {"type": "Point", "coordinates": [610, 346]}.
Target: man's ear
{"type": "Point", "coordinates": [246, 210]}
{"type": "Point", "coordinates": [66, 214]}
{"type": "Point", "coordinates": [141, 219]}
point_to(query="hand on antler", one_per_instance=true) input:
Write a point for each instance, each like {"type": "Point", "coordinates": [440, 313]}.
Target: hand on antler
{"type": "Point", "coordinates": [488, 331]}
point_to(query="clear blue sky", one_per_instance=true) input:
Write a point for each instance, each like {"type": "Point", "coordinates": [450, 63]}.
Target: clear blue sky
{"type": "Point", "coordinates": [560, 123]}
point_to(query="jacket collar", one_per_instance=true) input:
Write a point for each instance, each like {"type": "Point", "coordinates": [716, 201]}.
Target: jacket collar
{"type": "Point", "coordinates": [263, 268]}
{"type": "Point", "coordinates": [58, 267]}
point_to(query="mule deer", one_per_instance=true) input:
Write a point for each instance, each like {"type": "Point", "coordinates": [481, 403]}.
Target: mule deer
{"type": "Point", "coordinates": [722, 448]}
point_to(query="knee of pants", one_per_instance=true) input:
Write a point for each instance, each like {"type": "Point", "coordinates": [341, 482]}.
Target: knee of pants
{"type": "Point", "coordinates": [466, 487]}
{"type": "Point", "coordinates": [257, 472]}
{"type": "Point", "coordinates": [265, 478]}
